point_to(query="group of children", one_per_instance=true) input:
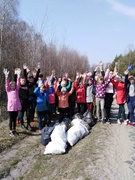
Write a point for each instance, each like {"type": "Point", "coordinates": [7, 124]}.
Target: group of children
{"type": "Point", "coordinates": [91, 91]}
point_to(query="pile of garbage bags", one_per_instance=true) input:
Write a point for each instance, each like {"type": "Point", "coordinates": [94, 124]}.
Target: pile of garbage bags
{"type": "Point", "coordinates": [58, 136]}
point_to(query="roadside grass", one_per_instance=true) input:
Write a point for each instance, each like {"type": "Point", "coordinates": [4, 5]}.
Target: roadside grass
{"type": "Point", "coordinates": [6, 141]}
{"type": "Point", "coordinates": [74, 164]}
{"type": "Point", "coordinates": [79, 161]}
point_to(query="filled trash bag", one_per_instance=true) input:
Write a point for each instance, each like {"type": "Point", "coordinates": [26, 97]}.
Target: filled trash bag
{"type": "Point", "coordinates": [87, 117]}
{"type": "Point", "coordinates": [58, 143]}
{"type": "Point", "coordinates": [76, 132]}
{"type": "Point", "coordinates": [78, 116]}
{"type": "Point", "coordinates": [46, 133]}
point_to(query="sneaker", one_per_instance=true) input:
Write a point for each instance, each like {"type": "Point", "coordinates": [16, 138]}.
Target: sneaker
{"type": "Point", "coordinates": [16, 133]}
{"type": "Point", "coordinates": [29, 127]}
{"type": "Point", "coordinates": [98, 120]}
{"type": "Point", "coordinates": [23, 127]}
{"type": "Point", "coordinates": [118, 121]}
{"type": "Point", "coordinates": [108, 121]}
{"type": "Point", "coordinates": [125, 122]}
{"type": "Point", "coordinates": [11, 134]}
{"type": "Point", "coordinates": [131, 123]}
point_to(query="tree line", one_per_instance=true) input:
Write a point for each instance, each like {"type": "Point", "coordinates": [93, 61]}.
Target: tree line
{"type": "Point", "coordinates": [20, 43]}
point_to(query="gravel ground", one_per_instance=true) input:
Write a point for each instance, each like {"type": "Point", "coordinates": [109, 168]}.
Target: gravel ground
{"type": "Point", "coordinates": [107, 153]}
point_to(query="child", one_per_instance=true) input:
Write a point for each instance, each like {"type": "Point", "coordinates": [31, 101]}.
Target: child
{"type": "Point", "coordinates": [89, 97]}
{"type": "Point", "coordinates": [52, 107]}
{"type": "Point", "coordinates": [31, 81]}
{"type": "Point", "coordinates": [63, 101]}
{"type": "Point", "coordinates": [13, 104]}
{"type": "Point", "coordinates": [120, 96]}
{"type": "Point", "coordinates": [130, 97]}
{"type": "Point", "coordinates": [109, 93]}
{"type": "Point", "coordinates": [80, 94]}
{"type": "Point", "coordinates": [42, 93]}
{"type": "Point", "coordinates": [101, 86]}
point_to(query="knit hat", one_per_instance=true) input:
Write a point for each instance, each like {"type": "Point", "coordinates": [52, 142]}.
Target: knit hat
{"type": "Point", "coordinates": [63, 89]}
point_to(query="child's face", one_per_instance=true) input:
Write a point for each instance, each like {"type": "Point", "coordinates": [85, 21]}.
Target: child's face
{"type": "Point", "coordinates": [63, 92]}
{"type": "Point", "coordinates": [12, 85]}
{"type": "Point", "coordinates": [22, 81]}
{"type": "Point", "coordinates": [110, 74]}
{"type": "Point", "coordinates": [119, 79]}
{"type": "Point", "coordinates": [89, 82]}
{"type": "Point", "coordinates": [31, 79]}
{"type": "Point", "coordinates": [100, 81]}
{"type": "Point", "coordinates": [42, 87]}
{"type": "Point", "coordinates": [132, 81]}
{"type": "Point", "coordinates": [80, 85]}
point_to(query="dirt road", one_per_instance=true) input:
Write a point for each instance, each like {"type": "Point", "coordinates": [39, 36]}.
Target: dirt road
{"type": "Point", "coordinates": [107, 153]}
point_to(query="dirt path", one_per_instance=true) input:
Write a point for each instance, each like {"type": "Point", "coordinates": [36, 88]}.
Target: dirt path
{"type": "Point", "coordinates": [107, 153]}
{"type": "Point", "coordinates": [117, 160]}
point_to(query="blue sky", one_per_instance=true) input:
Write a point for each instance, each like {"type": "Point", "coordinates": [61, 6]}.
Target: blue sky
{"type": "Point", "coordinates": [99, 29]}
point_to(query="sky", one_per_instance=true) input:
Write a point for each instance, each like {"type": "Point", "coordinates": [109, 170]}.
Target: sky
{"type": "Point", "coordinates": [98, 29]}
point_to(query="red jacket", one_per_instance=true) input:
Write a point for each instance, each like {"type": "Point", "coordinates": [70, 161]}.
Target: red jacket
{"type": "Point", "coordinates": [80, 93]}
{"type": "Point", "coordinates": [120, 91]}
{"type": "Point", "coordinates": [51, 98]}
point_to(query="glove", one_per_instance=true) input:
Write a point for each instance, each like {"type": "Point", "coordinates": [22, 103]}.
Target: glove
{"type": "Point", "coordinates": [6, 72]}
{"type": "Point", "coordinates": [38, 65]}
{"type": "Point", "coordinates": [18, 72]}
{"type": "Point", "coordinates": [25, 66]}
{"type": "Point", "coordinates": [40, 83]}
{"type": "Point", "coordinates": [49, 84]}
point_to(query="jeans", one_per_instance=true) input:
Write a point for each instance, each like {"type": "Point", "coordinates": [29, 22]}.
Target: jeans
{"type": "Point", "coordinates": [121, 112]}
{"type": "Point", "coordinates": [43, 116]}
{"type": "Point", "coordinates": [131, 107]}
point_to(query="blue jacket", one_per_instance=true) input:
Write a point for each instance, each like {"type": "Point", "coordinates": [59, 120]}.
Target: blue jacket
{"type": "Point", "coordinates": [42, 98]}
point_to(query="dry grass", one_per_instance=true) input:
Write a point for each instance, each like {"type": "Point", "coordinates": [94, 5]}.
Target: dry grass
{"type": "Point", "coordinates": [79, 161]}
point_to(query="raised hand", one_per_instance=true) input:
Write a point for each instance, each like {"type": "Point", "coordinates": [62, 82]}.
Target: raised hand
{"type": "Point", "coordinates": [108, 66]}
{"type": "Point", "coordinates": [101, 65]}
{"type": "Point", "coordinates": [18, 72]}
{"type": "Point", "coordinates": [40, 83]}
{"type": "Point", "coordinates": [126, 72]}
{"type": "Point", "coordinates": [38, 66]}
{"type": "Point", "coordinates": [6, 72]}
{"type": "Point", "coordinates": [25, 66]}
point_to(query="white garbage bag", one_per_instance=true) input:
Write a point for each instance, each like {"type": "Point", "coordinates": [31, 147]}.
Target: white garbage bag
{"type": "Point", "coordinates": [76, 132]}
{"type": "Point", "coordinates": [58, 142]}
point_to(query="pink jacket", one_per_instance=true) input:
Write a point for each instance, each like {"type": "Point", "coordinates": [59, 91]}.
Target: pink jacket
{"type": "Point", "coordinates": [13, 103]}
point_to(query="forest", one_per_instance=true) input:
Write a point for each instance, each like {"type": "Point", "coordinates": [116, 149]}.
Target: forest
{"type": "Point", "coordinates": [20, 43]}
